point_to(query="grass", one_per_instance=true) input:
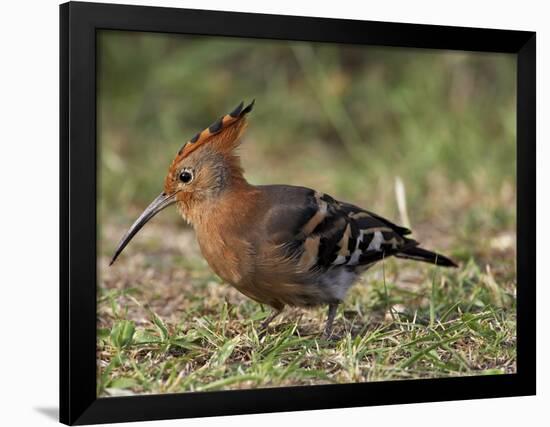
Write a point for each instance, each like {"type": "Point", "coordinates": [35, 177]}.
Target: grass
{"type": "Point", "coordinates": [346, 120]}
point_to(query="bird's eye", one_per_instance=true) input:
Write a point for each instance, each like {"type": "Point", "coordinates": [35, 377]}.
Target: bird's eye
{"type": "Point", "coordinates": [186, 176]}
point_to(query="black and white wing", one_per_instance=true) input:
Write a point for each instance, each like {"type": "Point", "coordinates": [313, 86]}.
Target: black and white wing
{"type": "Point", "coordinates": [323, 232]}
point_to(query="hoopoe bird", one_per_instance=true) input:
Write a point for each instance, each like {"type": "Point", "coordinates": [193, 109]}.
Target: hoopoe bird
{"type": "Point", "coordinates": [279, 245]}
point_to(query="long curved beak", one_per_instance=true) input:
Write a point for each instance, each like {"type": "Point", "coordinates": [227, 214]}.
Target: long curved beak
{"type": "Point", "coordinates": [161, 202]}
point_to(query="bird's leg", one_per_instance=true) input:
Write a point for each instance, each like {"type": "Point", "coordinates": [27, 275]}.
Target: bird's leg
{"type": "Point", "coordinates": [272, 316]}
{"type": "Point", "coordinates": [330, 320]}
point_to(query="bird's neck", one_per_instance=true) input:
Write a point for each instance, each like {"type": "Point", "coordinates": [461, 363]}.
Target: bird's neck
{"type": "Point", "coordinates": [227, 209]}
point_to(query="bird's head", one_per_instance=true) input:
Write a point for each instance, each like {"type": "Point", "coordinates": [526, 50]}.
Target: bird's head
{"type": "Point", "coordinates": [202, 170]}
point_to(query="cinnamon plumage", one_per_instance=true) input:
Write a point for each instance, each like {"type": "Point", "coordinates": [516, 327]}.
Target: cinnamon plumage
{"type": "Point", "coordinates": [279, 245]}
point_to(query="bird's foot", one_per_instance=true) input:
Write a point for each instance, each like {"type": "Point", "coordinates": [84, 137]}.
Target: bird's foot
{"type": "Point", "coordinates": [264, 325]}
{"type": "Point", "coordinates": [332, 337]}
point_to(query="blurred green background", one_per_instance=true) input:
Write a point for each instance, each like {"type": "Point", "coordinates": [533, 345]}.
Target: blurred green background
{"type": "Point", "coordinates": [344, 119]}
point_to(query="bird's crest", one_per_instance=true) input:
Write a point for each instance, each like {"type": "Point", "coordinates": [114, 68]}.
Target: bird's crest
{"type": "Point", "coordinates": [224, 132]}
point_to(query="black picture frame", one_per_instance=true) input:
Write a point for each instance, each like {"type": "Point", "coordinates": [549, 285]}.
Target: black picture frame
{"type": "Point", "coordinates": [79, 23]}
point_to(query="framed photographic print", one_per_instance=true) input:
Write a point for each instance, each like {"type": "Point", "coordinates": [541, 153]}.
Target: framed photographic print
{"type": "Point", "coordinates": [268, 213]}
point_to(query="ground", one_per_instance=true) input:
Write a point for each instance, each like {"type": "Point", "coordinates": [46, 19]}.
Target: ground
{"type": "Point", "coordinates": [166, 323]}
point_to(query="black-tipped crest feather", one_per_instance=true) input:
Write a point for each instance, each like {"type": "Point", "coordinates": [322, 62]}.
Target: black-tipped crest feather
{"type": "Point", "coordinates": [235, 113]}
{"type": "Point", "coordinates": [219, 125]}
{"type": "Point", "coordinates": [248, 108]}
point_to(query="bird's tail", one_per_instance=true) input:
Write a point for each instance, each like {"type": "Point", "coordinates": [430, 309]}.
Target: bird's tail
{"type": "Point", "coordinates": [419, 254]}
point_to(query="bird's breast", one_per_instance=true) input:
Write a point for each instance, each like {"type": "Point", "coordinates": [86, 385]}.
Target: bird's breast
{"type": "Point", "coordinates": [228, 256]}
